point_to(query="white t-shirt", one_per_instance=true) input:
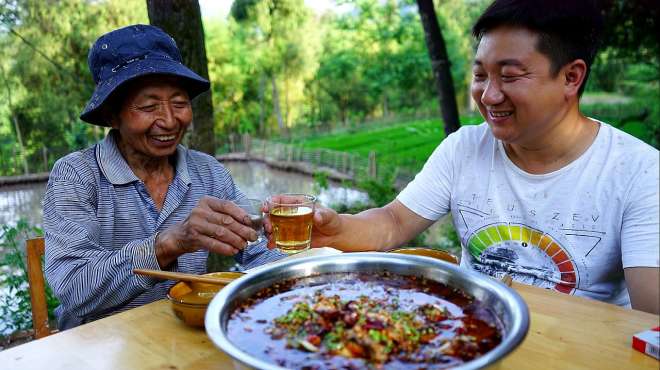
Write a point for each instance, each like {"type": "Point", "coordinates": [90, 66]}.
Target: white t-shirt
{"type": "Point", "coordinates": [573, 230]}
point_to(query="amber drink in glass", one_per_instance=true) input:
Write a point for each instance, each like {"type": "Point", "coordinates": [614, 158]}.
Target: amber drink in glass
{"type": "Point", "coordinates": [291, 217]}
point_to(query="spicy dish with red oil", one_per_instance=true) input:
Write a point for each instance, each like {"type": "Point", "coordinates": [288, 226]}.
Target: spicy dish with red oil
{"type": "Point", "coordinates": [366, 311]}
{"type": "Point", "coordinates": [363, 320]}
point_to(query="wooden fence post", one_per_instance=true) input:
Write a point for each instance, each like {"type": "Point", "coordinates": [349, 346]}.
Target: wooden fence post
{"type": "Point", "coordinates": [232, 145]}
{"type": "Point", "coordinates": [44, 150]}
{"type": "Point", "coordinates": [246, 144]}
{"type": "Point", "coordinates": [372, 164]}
{"type": "Point", "coordinates": [13, 156]}
{"type": "Point", "coordinates": [344, 164]}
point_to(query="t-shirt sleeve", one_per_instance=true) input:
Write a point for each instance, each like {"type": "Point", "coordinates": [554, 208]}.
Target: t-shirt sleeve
{"type": "Point", "coordinates": [429, 194]}
{"type": "Point", "coordinates": [640, 232]}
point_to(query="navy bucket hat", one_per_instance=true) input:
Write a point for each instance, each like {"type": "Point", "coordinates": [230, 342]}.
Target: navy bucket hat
{"type": "Point", "coordinates": [128, 53]}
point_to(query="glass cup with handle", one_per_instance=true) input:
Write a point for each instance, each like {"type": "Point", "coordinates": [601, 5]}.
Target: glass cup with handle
{"type": "Point", "coordinates": [253, 207]}
{"type": "Point", "coordinates": [291, 217]}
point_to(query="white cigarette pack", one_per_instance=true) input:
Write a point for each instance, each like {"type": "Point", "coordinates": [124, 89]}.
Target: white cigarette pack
{"type": "Point", "coordinates": [648, 342]}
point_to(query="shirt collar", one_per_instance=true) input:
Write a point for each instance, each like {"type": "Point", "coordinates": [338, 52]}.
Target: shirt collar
{"type": "Point", "coordinates": [118, 172]}
{"type": "Point", "coordinates": [182, 164]}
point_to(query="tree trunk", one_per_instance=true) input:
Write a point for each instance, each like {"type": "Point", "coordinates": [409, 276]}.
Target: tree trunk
{"type": "Point", "coordinates": [440, 65]}
{"type": "Point", "coordinates": [26, 169]}
{"type": "Point", "coordinates": [262, 107]}
{"type": "Point", "coordinates": [276, 106]}
{"type": "Point", "coordinates": [182, 19]}
{"type": "Point", "coordinates": [343, 115]}
{"type": "Point", "coordinates": [286, 101]}
{"type": "Point", "coordinates": [19, 137]}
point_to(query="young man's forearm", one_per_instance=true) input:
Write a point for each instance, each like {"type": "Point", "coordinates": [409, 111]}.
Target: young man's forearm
{"type": "Point", "coordinates": [379, 229]}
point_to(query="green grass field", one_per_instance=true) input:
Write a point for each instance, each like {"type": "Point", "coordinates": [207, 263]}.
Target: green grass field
{"type": "Point", "coordinates": [407, 143]}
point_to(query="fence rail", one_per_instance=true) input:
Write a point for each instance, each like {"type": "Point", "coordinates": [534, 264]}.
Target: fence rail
{"type": "Point", "coordinates": [338, 165]}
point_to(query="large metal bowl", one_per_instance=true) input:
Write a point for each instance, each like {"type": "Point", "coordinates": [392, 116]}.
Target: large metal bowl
{"type": "Point", "coordinates": [502, 301]}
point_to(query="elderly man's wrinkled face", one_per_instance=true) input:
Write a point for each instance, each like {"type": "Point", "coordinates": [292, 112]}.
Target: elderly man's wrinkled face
{"type": "Point", "coordinates": [513, 86]}
{"type": "Point", "coordinates": [153, 117]}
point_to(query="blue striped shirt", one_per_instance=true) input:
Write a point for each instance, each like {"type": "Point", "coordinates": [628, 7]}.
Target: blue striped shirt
{"type": "Point", "coordinates": [100, 224]}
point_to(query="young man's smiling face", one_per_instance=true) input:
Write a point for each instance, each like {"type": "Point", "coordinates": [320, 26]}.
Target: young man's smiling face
{"type": "Point", "coordinates": [514, 88]}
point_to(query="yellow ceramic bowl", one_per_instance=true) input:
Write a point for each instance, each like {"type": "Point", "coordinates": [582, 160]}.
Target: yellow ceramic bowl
{"type": "Point", "coordinates": [428, 252]}
{"type": "Point", "coordinates": [190, 300]}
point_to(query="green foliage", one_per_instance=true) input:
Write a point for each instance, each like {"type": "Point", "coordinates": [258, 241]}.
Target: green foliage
{"type": "Point", "coordinates": [381, 193]}
{"type": "Point", "coordinates": [327, 70]}
{"type": "Point", "coordinates": [321, 181]}
{"type": "Point", "coordinates": [266, 82]}
{"type": "Point", "coordinates": [631, 29]}
{"type": "Point", "coordinates": [276, 66]}
{"type": "Point", "coordinates": [378, 53]}
{"type": "Point", "coordinates": [629, 66]}
{"type": "Point", "coordinates": [46, 81]}
{"type": "Point", "coordinates": [448, 238]}
{"type": "Point", "coordinates": [456, 19]}
{"type": "Point", "coordinates": [15, 303]}
{"type": "Point", "coordinates": [403, 144]}
{"type": "Point", "coordinates": [396, 144]}
{"type": "Point", "coordinates": [625, 94]}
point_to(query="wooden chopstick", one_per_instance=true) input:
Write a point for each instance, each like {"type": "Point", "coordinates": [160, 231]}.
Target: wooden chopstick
{"type": "Point", "coordinates": [169, 275]}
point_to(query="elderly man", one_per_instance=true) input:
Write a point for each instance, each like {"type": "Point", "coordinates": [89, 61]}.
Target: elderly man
{"type": "Point", "coordinates": [138, 199]}
{"type": "Point", "coordinates": [540, 191]}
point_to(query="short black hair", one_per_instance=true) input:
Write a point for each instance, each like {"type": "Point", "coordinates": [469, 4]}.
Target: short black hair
{"type": "Point", "coordinates": [567, 29]}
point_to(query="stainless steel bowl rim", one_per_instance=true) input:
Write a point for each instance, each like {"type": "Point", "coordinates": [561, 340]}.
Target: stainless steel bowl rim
{"type": "Point", "coordinates": [513, 302]}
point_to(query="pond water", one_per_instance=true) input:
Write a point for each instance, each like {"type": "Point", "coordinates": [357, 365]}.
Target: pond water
{"type": "Point", "coordinates": [255, 179]}
{"type": "Point", "coordinates": [21, 201]}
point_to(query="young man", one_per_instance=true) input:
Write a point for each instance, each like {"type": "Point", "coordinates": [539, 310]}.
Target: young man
{"type": "Point", "coordinates": [539, 191]}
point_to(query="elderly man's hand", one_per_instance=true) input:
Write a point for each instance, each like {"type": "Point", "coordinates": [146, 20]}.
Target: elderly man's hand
{"type": "Point", "coordinates": [327, 225]}
{"type": "Point", "coordinates": [214, 224]}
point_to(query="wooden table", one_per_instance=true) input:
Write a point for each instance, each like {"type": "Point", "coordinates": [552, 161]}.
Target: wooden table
{"type": "Point", "coordinates": [565, 333]}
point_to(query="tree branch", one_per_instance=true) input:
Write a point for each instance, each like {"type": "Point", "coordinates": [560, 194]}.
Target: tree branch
{"type": "Point", "coordinates": [28, 43]}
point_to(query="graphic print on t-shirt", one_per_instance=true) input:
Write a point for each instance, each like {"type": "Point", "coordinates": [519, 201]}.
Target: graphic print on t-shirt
{"type": "Point", "coordinates": [541, 247]}
{"type": "Point", "coordinates": [529, 255]}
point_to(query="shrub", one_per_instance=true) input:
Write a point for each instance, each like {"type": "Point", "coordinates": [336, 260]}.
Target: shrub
{"type": "Point", "coordinates": [15, 306]}
{"type": "Point", "coordinates": [382, 192]}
